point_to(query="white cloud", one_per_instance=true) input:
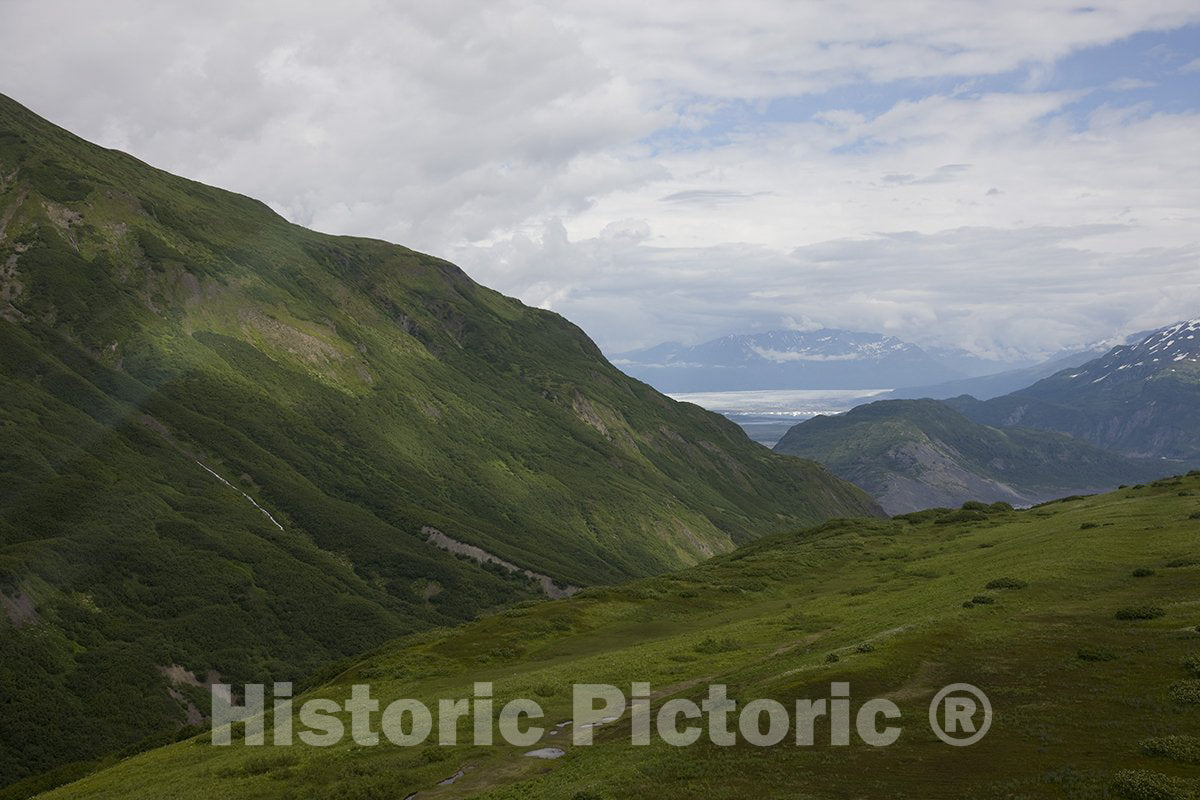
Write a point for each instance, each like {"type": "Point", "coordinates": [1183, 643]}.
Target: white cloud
{"type": "Point", "coordinates": [563, 151]}
{"type": "Point", "coordinates": [1130, 84]}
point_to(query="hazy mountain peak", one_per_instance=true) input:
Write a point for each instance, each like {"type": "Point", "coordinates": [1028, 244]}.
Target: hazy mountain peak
{"type": "Point", "coordinates": [787, 359]}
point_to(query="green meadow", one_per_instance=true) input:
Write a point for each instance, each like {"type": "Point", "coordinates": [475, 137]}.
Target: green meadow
{"type": "Point", "coordinates": [1079, 620]}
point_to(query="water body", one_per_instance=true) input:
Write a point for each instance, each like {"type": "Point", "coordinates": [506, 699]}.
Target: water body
{"type": "Point", "coordinates": [766, 414]}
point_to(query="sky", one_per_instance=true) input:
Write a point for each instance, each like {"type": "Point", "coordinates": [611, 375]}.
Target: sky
{"type": "Point", "coordinates": [1014, 178]}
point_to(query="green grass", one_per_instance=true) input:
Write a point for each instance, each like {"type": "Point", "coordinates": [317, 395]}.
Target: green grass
{"type": "Point", "coordinates": [1086, 705]}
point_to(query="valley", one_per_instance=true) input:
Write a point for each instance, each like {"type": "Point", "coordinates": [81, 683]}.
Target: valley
{"type": "Point", "coordinates": [223, 434]}
{"type": "Point", "coordinates": [1026, 605]}
{"type": "Point", "coordinates": [599, 401]}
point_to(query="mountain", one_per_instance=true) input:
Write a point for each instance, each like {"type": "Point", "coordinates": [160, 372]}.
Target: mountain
{"type": "Point", "coordinates": [973, 365]}
{"type": "Point", "coordinates": [1141, 399]}
{"type": "Point", "coordinates": [232, 447]}
{"type": "Point", "coordinates": [985, 387]}
{"type": "Point", "coordinates": [821, 359]}
{"type": "Point", "coordinates": [1073, 619]}
{"type": "Point", "coordinates": [914, 454]}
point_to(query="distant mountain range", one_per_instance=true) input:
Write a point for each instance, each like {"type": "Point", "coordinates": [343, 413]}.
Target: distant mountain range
{"type": "Point", "coordinates": [915, 454]}
{"type": "Point", "coordinates": [985, 387]}
{"type": "Point", "coordinates": [1131, 415]}
{"type": "Point", "coordinates": [1141, 399]}
{"type": "Point", "coordinates": [822, 359]}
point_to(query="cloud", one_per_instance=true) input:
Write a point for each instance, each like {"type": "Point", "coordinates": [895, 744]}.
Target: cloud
{"type": "Point", "coordinates": [1130, 84]}
{"type": "Point", "coordinates": [942, 174]}
{"type": "Point", "coordinates": [999, 292]}
{"type": "Point", "coordinates": [709, 196]}
{"type": "Point", "coordinates": [677, 169]}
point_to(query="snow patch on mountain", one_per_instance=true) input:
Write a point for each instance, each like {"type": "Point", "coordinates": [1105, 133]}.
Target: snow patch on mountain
{"type": "Point", "coordinates": [1177, 344]}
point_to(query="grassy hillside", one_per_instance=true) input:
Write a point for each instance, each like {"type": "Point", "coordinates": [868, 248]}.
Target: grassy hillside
{"type": "Point", "coordinates": [914, 454]}
{"type": "Point", "coordinates": [1030, 606]}
{"type": "Point", "coordinates": [224, 439]}
{"type": "Point", "coordinates": [1141, 399]}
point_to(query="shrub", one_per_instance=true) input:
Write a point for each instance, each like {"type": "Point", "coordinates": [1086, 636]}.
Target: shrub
{"type": "Point", "coordinates": [1192, 664]}
{"type": "Point", "coordinates": [1142, 784]}
{"type": "Point", "coordinates": [711, 646]}
{"type": "Point", "coordinates": [916, 517]}
{"type": "Point", "coordinates": [1194, 515]}
{"type": "Point", "coordinates": [974, 505]}
{"type": "Point", "coordinates": [1184, 749]}
{"type": "Point", "coordinates": [960, 516]}
{"type": "Point", "coordinates": [261, 765]}
{"type": "Point", "coordinates": [1085, 526]}
{"type": "Point", "coordinates": [866, 647]}
{"type": "Point", "coordinates": [983, 600]}
{"type": "Point", "coordinates": [1142, 572]}
{"type": "Point", "coordinates": [1000, 505]}
{"type": "Point", "coordinates": [432, 755]}
{"type": "Point", "coordinates": [1186, 693]}
{"type": "Point", "coordinates": [1182, 562]}
{"type": "Point", "coordinates": [1095, 654]}
{"type": "Point", "coordinates": [832, 658]}
{"type": "Point", "coordinates": [1006, 583]}
{"type": "Point", "coordinates": [1140, 612]}
{"type": "Point", "coordinates": [968, 604]}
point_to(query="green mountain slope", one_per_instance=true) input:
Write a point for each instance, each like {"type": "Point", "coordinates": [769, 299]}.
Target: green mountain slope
{"type": "Point", "coordinates": [1084, 700]}
{"type": "Point", "coordinates": [914, 454]}
{"type": "Point", "coordinates": [1141, 399]}
{"type": "Point", "coordinates": [225, 440]}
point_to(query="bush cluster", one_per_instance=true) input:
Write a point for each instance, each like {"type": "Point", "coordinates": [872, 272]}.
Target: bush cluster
{"type": "Point", "coordinates": [1184, 749]}
{"type": "Point", "coordinates": [1140, 612]}
{"type": "Point", "coordinates": [1186, 693]}
{"type": "Point", "coordinates": [965, 515]}
{"type": "Point", "coordinates": [1006, 583]}
{"type": "Point", "coordinates": [711, 646]}
{"type": "Point", "coordinates": [1142, 784]}
{"type": "Point", "coordinates": [1192, 664]}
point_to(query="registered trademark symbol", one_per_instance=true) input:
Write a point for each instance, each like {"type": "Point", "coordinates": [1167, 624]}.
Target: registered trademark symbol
{"type": "Point", "coordinates": [952, 714]}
